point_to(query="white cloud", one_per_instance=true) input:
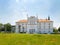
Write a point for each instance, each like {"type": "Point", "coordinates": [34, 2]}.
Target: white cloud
{"type": "Point", "coordinates": [33, 1]}
{"type": "Point", "coordinates": [28, 1]}
{"type": "Point", "coordinates": [24, 1]}
{"type": "Point", "coordinates": [17, 1]}
{"type": "Point", "coordinates": [18, 14]}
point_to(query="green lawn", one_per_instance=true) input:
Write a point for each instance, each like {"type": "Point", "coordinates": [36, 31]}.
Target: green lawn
{"type": "Point", "coordinates": [29, 39]}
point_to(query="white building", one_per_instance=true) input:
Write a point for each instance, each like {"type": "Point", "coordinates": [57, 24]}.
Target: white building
{"type": "Point", "coordinates": [34, 25]}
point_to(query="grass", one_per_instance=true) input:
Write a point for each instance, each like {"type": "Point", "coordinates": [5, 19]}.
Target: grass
{"type": "Point", "coordinates": [29, 39]}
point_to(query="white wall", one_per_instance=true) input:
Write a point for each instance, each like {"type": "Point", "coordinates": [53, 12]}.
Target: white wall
{"type": "Point", "coordinates": [43, 27]}
{"type": "Point", "coordinates": [31, 27]}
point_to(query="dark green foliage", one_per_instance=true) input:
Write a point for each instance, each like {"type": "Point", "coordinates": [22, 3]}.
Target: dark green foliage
{"type": "Point", "coordinates": [55, 30]}
{"type": "Point", "coordinates": [1, 27]}
{"type": "Point", "coordinates": [59, 29]}
{"type": "Point", "coordinates": [7, 27]}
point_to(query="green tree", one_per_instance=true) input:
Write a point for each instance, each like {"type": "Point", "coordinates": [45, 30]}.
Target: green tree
{"type": "Point", "coordinates": [59, 29]}
{"type": "Point", "coordinates": [7, 27]}
{"type": "Point", "coordinates": [1, 25]}
{"type": "Point", "coordinates": [55, 30]}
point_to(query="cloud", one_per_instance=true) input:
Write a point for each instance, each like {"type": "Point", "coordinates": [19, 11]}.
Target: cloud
{"type": "Point", "coordinates": [16, 12]}
{"type": "Point", "coordinates": [18, 9]}
{"type": "Point", "coordinates": [17, 1]}
{"type": "Point", "coordinates": [28, 1]}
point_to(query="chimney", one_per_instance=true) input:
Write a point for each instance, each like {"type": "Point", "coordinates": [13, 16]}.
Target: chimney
{"type": "Point", "coordinates": [48, 17]}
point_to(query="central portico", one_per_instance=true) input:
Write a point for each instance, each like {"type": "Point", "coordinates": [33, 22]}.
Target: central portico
{"type": "Point", "coordinates": [32, 24]}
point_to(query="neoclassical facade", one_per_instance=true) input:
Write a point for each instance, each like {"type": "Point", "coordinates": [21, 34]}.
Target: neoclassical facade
{"type": "Point", "coordinates": [34, 25]}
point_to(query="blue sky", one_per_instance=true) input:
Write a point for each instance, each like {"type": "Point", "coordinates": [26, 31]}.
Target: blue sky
{"type": "Point", "coordinates": [14, 10]}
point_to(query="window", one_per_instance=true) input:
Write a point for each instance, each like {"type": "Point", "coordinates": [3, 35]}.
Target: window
{"type": "Point", "coordinates": [49, 31]}
{"type": "Point", "coordinates": [22, 24]}
{"type": "Point", "coordinates": [23, 29]}
{"type": "Point", "coordinates": [19, 28]}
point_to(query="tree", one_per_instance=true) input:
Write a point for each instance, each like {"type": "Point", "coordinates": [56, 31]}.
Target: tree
{"type": "Point", "coordinates": [55, 30]}
{"type": "Point", "coordinates": [59, 29]}
{"type": "Point", "coordinates": [1, 25]}
{"type": "Point", "coordinates": [7, 27]}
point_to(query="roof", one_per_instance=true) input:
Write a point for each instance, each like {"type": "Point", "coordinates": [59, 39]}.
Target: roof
{"type": "Point", "coordinates": [22, 21]}
{"type": "Point", "coordinates": [39, 20]}
{"type": "Point", "coordinates": [44, 20]}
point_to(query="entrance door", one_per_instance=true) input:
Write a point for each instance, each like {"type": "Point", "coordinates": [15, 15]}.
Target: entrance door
{"type": "Point", "coordinates": [31, 31]}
